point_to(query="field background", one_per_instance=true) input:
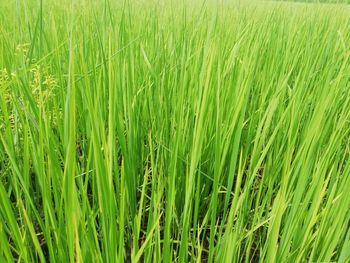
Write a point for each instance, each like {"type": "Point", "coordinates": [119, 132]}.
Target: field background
{"type": "Point", "coordinates": [174, 131]}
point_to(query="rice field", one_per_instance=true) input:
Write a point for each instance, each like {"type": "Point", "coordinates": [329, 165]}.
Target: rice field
{"type": "Point", "coordinates": [165, 131]}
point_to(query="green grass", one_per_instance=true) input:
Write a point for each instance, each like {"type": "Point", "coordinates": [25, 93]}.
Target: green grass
{"type": "Point", "coordinates": [174, 132]}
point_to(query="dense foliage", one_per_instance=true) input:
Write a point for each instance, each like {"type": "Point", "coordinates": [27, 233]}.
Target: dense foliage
{"type": "Point", "coordinates": [174, 132]}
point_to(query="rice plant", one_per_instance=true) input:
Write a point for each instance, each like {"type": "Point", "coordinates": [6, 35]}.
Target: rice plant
{"type": "Point", "coordinates": [165, 131]}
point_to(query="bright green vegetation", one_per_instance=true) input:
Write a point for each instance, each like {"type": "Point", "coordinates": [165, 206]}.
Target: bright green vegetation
{"type": "Point", "coordinates": [172, 132]}
{"type": "Point", "coordinates": [319, 1]}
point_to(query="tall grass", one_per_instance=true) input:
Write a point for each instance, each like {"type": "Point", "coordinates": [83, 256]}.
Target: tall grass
{"type": "Point", "coordinates": [174, 131]}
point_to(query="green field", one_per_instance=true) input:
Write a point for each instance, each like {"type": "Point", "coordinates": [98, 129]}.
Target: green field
{"type": "Point", "coordinates": [166, 131]}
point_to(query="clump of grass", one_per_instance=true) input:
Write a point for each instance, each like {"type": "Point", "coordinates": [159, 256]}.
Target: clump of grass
{"type": "Point", "coordinates": [175, 132]}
